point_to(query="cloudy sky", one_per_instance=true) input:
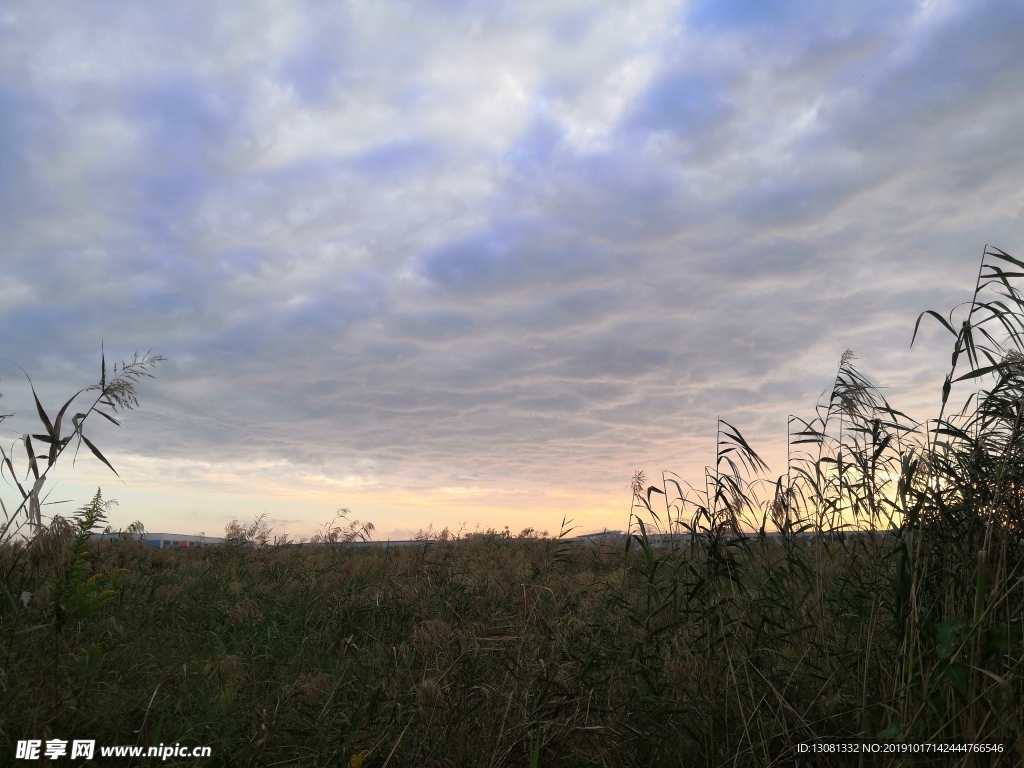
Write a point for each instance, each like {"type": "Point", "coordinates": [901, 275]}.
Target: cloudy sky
{"type": "Point", "coordinates": [478, 262]}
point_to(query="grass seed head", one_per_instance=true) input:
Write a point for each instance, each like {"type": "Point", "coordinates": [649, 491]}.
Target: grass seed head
{"type": "Point", "coordinates": [50, 547]}
{"type": "Point", "coordinates": [429, 693]}
{"type": "Point", "coordinates": [231, 667]}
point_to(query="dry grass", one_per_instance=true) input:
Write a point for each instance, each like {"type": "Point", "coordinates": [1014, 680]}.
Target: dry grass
{"type": "Point", "coordinates": [473, 652]}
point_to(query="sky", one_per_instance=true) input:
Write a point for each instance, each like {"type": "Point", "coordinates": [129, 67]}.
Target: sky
{"type": "Point", "coordinates": [472, 264]}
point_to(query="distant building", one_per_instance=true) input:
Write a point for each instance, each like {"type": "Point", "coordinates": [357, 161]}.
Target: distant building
{"type": "Point", "coordinates": [162, 540]}
{"type": "Point", "coordinates": [614, 538]}
{"type": "Point", "coordinates": [600, 537]}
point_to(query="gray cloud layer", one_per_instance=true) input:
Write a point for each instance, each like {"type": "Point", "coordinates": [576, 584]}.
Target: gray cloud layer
{"type": "Point", "coordinates": [520, 244]}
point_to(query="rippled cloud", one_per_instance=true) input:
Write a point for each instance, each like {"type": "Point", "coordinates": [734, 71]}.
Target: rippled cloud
{"type": "Point", "coordinates": [395, 249]}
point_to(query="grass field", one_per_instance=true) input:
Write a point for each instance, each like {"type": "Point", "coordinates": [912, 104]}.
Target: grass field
{"type": "Point", "coordinates": [498, 651]}
{"type": "Point", "coordinates": [888, 609]}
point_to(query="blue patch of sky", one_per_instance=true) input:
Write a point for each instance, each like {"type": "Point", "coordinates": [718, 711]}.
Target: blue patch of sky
{"type": "Point", "coordinates": [355, 297]}
{"type": "Point", "coordinates": [186, 116]}
{"type": "Point", "coordinates": [307, 172]}
{"type": "Point", "coordinates": [411, 95]}
{"type": "Point", "coordinates": [175, 295]}
{"type": "Point", "coordinates": [509, 256]}
{"type": "Point", "coordinates": [614, 185]}
{"type": "Point", "coordinates": [43, 320]}
{"type": "Point", "coordinates": [164, 300]}
{"type": "Point", "coordinates": [325, 311]}
{"type": "Point", "coordinates": [957, 63]}
{"type": "Point", "coordinates": [740, 14]}
{"type": "Point", "coordinates": [536, 147]}
{"type": "Point", "coordinates": [476, 261]}
{"type": "Point", "coordinates": [788, 200]}
{"type": "Point", "coordinates": [597, 358]}
{"type": "Point", "coordinates": [240, 262]}
{"type": "Point", "coordinates": [23, 122]}
{"type": "Point", "coordinates": [236, 343]}
{"type": "Point", "coordinates": [962, 56]}
{"type": "Point", "coordinates": [163, 269]}
{"type": "Point", "coordinates": [678, 103]}
{"type": "Point", "coordinates": [312, 70]}
{"type": "Point", "coordinates": [434, 326]}
{"type": "Point", "coordinates": [387, 160]}
{"type": "Point", "coordinates": [166, 195]}
{"type": "Point", "coordinates": [186, 122]}
{"type": "Point", "coordinates": [473, 8]}
{"type": "Point", "coordinates": [368, 287]}
{"type": "Point", "coordinates": [558, 404]}
{"type": "Point", "coordinates": [572, 27]}
{"type": "Point", "coordinates": [382, 353]}
{"type": "Point", "coordinates": [394, 158]}
{"type": "Point", "coordinates": [620, 195]}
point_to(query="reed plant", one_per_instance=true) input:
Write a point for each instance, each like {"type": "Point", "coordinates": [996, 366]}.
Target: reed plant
{"type": "Point", "coordinates": [118, 393]}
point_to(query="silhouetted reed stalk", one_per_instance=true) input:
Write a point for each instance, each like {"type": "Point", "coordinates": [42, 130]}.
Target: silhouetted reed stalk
{"type": "Point", "coordinates": [937, 505]}
{"type": "Point", "coordinates": [117, 393]}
